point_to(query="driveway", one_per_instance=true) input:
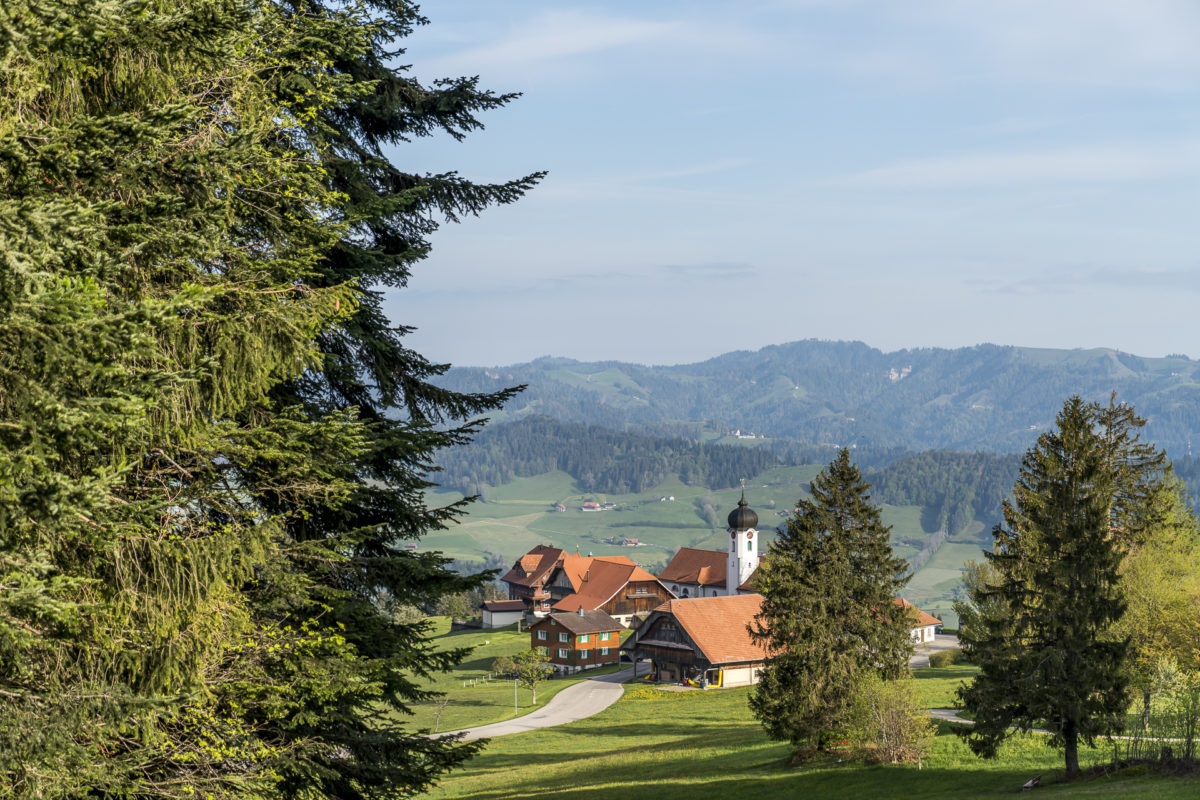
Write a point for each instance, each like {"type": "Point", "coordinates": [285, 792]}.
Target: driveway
{"type": "Point", "coordinates": [579, 701]}
{"type": "Point", "coordinates": [943, 641]}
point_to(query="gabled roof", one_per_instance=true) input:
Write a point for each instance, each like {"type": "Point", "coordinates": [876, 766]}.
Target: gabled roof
{"type": "Point", "coordinates": [587, 622]}
{"type": "Point", "coordinates": [503, 605]}
{"type": "Point", "coordinates": [533, 567]}
{"type": "Point", "coordinates": [923, 619]}
{"type": "Point", "coordinates": [718, 625]}
{"type": "Point", "coordinates": [703, 567]}
{"type": "Point", "coordinates": [574, 565]}
{"type": "Point", "coordinates": [602, 579]}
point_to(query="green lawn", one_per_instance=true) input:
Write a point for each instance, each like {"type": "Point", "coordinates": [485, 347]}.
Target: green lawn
{"type": "Point", "coordinates": [656, 745]}
{"type": "Point", "coordinates": [473, 699]}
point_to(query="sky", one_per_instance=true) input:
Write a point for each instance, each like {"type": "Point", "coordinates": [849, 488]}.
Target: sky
{"type": "Point", "coordinates": [725, 176]}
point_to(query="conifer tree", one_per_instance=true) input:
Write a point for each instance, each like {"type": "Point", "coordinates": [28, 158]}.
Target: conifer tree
{"type": "Point", "coordinates": [1051, 660]}
{"type": "Point", "coordinates": [828, 617]}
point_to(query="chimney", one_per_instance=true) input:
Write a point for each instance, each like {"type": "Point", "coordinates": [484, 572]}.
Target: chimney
{"type": "Point", "coordinates": [581, 610]}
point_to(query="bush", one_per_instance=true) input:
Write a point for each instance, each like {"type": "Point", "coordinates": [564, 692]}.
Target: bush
{"type": "Point", "coordinates": [890, 721]}
{"type": "Point", "coordinates": [946, 658]}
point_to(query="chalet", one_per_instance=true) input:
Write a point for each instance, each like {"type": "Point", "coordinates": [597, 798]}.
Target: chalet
{"type": "Point", "coordinates": [578, 641]}
{"type": "Point", "coordinates": [924, 625]}
{"type": "Point", "coordinates": [529, 576]}
{"type": "Point", "coordinates": [502, 613]}
{"type": "Point", "coordinates": [590, 505]}
{"type": "Point", "coordinates": [612, 584]}
{"type": "Point", "coordinates": [701, 640]}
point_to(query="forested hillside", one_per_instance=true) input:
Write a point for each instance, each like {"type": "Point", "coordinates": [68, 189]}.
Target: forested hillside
{"type": "Point", "coordinates": [988, 397]}
{"type": "Point", "coordinates": [601, 460]}
{"type": "Point", "coordinates": [952, 488]}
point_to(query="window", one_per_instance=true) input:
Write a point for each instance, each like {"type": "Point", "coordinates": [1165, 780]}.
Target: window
{"type": "Point", "coordinates": [544, 650]}
{"type": "Point", "coordinates": [564, 637]}
{"type": "Point", "coordinates": [543, 635]}
{"type": "Point", "coordinates": [563, 652]}
{"type": "Point", "coordinates": [749, 545]}
{"type": "Point", "coordinates": [603, 651]}
{"type": "Point", "coordinates": [584, 638]}
{"type": "Point", "coordinates": [584, 653]}
{"type": "Point", "coordinates": [604, 637]}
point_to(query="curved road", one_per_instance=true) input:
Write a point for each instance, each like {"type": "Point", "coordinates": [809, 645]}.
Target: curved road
{"type": "Point", "coordinates": [582, 700]}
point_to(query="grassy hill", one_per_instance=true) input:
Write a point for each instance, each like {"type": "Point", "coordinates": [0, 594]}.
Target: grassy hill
{"type": "Point", "coordinates": [519, 515]}
{"type": "Point", "coordinates": [659, 745]}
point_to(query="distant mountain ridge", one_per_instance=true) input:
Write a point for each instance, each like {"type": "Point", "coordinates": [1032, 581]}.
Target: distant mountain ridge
{"type": "Point", "coordinates": [984, 398]}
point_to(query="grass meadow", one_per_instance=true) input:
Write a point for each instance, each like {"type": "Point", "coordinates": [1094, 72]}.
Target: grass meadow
{"type": "Point", "coordinates": [517, 516]}
{"type": "Point", "coordinates": [659, 745]}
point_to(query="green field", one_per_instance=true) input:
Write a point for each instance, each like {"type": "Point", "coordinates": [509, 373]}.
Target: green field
{"type": "Point", "coordinates": [474, 699]}
{"type": "Point", "coordinates": [518, 515]}
{"type": "Point", "coordinates": [658, 745]}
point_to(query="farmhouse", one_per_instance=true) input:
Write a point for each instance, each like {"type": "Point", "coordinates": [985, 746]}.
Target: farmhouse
{"type": "Point", "coordinates": [612, 584]}
{"type": "Point", "coordinates": [547, 579]}
{"type": "Point", "coordinates": [702, 640]}
{"type": "Point", "coordinates": [924, 625]}
{"type": "Point", "coordinates": [529, 576]}
{"type": "Point", "coordinates": [578, 641]}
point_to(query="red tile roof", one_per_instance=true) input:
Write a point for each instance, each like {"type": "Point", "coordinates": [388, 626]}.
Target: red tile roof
{"type": "Point", "coordinates": [923, 619]}
{"type": "Point", "coordinates": [718, 625]}
{"type": "Point", "coordinates": [533, 567]}
{"type": "Point", "coordinates": [703, 567]}
{"type": "Point", "coordinates": [603, 577]}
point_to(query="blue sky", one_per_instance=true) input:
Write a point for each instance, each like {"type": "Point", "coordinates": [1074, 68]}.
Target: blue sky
{"type": "Point", "coordinates": [726, 176]}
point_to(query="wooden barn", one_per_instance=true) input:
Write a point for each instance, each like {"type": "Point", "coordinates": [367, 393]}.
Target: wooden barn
{"type": "Point", "coordinates": [703, 641]}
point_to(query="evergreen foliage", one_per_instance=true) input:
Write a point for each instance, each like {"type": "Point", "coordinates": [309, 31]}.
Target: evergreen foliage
{"type": "Point", "coordinates": [211, 436]}
{"type": "Point", "coordinates": [1042, 616]}
{"type": "Point", "coordinates": [600, 460]}
{"type": "Point", "coordinates": [828, 616]}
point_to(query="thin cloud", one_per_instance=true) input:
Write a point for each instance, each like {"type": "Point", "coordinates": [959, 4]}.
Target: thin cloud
{"type": "Point", "coordinates": [1146, 278]}
{"type": "Point", "coordinates": [1086, 164]}
{"type": "Point", "coordinates": [719, 270]}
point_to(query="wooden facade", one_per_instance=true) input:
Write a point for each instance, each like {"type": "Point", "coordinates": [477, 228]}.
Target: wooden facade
{"type": "Point", "coordinates": [577, 641]}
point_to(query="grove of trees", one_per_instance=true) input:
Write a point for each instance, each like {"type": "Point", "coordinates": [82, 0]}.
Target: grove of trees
{"type": "Point", "coordinates": [211, 438]}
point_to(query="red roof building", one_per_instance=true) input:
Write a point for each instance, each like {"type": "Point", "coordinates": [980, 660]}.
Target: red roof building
{"type": "Point", "coordinates": [612, 584]}
{"type": "Point", "coordinates": [696, 573]}
{"type": "Point", "coordinates": [703, 640]}
{"type": "Point", "coordinates": [925, 626]}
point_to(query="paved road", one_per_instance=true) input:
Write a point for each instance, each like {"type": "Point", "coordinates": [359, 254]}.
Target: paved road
{"type": "Point", "coordinates": [574, 702]}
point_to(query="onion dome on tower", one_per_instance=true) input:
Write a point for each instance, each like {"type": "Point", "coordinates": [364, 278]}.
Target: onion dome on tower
{"type": "Point", "coordinates": [743, 517]}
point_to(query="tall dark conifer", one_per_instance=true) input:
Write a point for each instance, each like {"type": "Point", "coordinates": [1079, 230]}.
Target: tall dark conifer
{"type": "Point", "coordinates": [828, 583]}
{"type": "Point", "coordinates": [344, 566]}
{"type": "Point", "coordinates": [1051, 660]}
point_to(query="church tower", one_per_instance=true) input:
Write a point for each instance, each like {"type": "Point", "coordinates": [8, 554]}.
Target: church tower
{"type": "Point", "coordinates": [743, 546]}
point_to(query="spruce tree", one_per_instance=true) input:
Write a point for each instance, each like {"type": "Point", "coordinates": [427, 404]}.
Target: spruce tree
{"type": "Point", "coordinates": [829, 617]}
{"type": "Point", "coordinates": [1051, 659]}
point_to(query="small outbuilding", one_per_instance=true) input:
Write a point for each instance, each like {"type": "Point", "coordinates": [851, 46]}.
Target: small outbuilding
{"type": "Point", "coordinates": [502, 613]}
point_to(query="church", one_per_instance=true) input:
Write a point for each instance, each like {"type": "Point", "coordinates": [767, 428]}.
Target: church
{"type": "Point", "coordinates": [713, 573]}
